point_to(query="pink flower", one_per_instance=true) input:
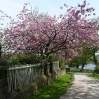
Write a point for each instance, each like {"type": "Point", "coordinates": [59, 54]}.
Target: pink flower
{"type": "Point", "coordinates": [65, 5]}
{"type": "Point", "coordinates": [78, 5]}
{"type": "Point", "coordinates": [25, 3]}
{"type": "Point", "coordinates": [61, 7]}
{"type": "Point", "coordinates": [94, 13]}
{"type": "Point", "coordinates": [60, 15]}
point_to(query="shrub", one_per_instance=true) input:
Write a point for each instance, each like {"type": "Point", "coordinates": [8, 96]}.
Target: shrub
{"type": "Point", "coordinates": [97, 68]}
{"type": "Point", "coordinates": [52, 58]}
{"type": "Point", "coordinates": [24, 59]}
{"type": "Point", "coordinates": [62, 64]}
{"type": "Point", "coordinates": [12, 62]}
{"type": "Point", "coordinates": [29, 59]}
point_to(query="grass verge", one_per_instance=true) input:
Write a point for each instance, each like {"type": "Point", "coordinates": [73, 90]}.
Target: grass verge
{"type": "Point", "coordinates": [75, 70]}
{"type": "Point", "coordinates": [95, 76]}
{"type": "Point", "coordinates": [56, 89]}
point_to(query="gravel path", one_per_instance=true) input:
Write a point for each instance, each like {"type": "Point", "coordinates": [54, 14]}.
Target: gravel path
{"type": "Point", "coordinates": [83, 88]}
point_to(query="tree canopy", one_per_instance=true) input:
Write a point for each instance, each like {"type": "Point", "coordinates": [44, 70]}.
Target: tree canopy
{"type": "Point", "coordinates": [41, 33]}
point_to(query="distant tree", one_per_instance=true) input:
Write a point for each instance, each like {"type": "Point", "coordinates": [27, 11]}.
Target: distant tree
{"type": "Point", "coordinates": [84, 54]}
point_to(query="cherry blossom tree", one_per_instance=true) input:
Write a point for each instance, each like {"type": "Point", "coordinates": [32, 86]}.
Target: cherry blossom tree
{"type": "Point", "coordinates": [46, 35]}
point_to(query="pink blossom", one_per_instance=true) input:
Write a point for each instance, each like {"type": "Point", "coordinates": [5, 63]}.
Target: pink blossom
{"type": "Point", "coordinates": [65, 5]}
{"type": "Point", "coordinates": [61, 7]}
{"type": "Point", "coordinates": [45, 34]}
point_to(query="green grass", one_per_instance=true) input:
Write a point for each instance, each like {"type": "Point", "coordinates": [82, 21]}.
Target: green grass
{"type": "Point", "coordinates": [54, 90]}
{"type": "Point", "coordinates": [95, 76]}
{"type": "Point", "coordinates": [74, 70]}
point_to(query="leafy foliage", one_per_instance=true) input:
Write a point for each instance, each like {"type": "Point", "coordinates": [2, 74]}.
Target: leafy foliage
{"type": "Point", "coordinates": [62, 64]}
{"type": "Point", "coordinates": [29, 59]}
{"type": "Point", "coordinates": [85, 54]}
{"type": "Point", "coordinates": [52, 58]}
{"type": "Point", "coordinates": [45, 34]}
{"type": "Point", "coordinates": [24, 59]}
{"type": "Point", "coordinates": [97, 68]}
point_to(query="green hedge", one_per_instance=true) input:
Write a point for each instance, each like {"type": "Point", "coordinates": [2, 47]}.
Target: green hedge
{"type": "Point", "coordinates": [24, 59]}
{"type": "Point", "coordinates": [29, 59]}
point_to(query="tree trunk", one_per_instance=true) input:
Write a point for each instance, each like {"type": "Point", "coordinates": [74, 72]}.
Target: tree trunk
{"type": "Point", "coordinates": [69, 67]}
{"type": "Point", "coordinates": [82, 68]}
{"type": "Point", "coordinates": [46, 69]}
{"type": "Point", "coordinates": [94, 57]}
{"type": "Point", "coordinates": [51, 67]}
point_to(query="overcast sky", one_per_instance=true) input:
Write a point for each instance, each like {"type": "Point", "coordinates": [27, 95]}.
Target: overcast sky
{"type": "Point", "coordinates": [13, 7]}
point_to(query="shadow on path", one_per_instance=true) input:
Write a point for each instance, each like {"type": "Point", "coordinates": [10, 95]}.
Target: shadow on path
{"type": "Point", "coordinates": [90, 81]}
{"type": "Point", "coordinates": [83, 88]}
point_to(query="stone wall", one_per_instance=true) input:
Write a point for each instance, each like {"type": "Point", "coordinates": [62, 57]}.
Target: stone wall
{"type": "Point", "coordinates": [22, 92]}
{"type": "Point", "coordinates": [31, 88]}
{"type": "Point", "coordinates": [3, 77]}
{"type": "Point", "coordinates": [3, 88]}
{"type": "Point", "coordinates": [3, 82]}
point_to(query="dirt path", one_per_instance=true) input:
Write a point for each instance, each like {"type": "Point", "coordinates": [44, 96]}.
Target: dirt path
{"type": "Point", "coordinates": [83, 88]}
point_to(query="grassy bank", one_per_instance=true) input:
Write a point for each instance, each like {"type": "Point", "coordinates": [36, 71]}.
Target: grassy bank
{"type": "Point", "coordinates": [95, 76]}
{"type": "Point", "coordinates": [56, 89]}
